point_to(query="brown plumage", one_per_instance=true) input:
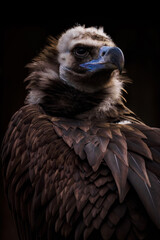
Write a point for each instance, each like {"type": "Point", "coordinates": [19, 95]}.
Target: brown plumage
{"type": "Point", "coordinates": [77, 163]}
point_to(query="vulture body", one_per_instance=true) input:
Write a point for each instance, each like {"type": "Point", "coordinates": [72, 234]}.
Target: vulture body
{"type": "Point", "coordinates": [77, 163]}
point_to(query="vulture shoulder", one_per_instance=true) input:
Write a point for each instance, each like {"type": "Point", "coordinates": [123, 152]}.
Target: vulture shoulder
{"type": "Point", "coordinates": [74, 179]}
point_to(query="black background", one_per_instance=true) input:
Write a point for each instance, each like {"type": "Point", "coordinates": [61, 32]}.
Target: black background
{"type": "Point", "coordinates": [23, 35]}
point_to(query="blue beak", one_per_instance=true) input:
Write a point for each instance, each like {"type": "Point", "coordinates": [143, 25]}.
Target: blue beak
{"type": "Point", "coordinates": [109, 58]}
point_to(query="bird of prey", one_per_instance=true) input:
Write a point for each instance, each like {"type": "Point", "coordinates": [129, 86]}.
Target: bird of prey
{"type": "Point", "coordinates": [77, 163]}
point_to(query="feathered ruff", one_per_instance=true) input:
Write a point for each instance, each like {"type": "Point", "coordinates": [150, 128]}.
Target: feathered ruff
{"type": "Point", "coordinates": [63, 100]}
{"type": "Point", "coordinates": [66, 178]}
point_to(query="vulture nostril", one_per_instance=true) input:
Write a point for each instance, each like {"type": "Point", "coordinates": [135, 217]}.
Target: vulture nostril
{"type": "Point", "coordinates": [103, 53]}
{"type": "Point", "coordinates": [104, 50]}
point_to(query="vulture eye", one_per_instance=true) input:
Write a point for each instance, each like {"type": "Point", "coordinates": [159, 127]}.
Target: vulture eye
{"type": "Point", "coordinates": [81, 52]}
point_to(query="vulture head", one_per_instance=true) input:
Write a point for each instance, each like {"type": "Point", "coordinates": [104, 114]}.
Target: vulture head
{"type": "Point", "coordinates": [87, 58]}
{"type": "Point", "coordinates": [77, 73]}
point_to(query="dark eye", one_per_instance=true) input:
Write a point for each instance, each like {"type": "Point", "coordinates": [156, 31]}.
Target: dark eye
{"type": "Point", "coordinates": [81, 52]}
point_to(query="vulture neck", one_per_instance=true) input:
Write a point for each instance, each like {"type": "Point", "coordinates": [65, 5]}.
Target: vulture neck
{"type": "Point", "coordinates": [62, 100]}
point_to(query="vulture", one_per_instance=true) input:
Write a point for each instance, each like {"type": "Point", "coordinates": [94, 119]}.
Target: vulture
{"type": "Point", "coordinates": [77, 163]}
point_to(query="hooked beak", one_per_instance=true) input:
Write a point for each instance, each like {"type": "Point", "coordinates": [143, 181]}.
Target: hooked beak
{"type": "Point", "coordinates": [110, 58]}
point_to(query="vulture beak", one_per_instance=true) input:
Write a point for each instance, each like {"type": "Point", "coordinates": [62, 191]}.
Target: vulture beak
{"type": "Point", "coordinates": [110, 58]}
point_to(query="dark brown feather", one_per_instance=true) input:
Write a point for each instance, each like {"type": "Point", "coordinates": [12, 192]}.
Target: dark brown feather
{"type": "Point", "coordinates": [75, 179]}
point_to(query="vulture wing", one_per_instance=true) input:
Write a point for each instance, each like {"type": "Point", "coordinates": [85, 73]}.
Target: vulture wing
{"type": "Point", "coordinates": [70, 179]}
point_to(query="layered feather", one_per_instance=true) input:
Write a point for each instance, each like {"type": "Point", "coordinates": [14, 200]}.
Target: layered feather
{"type": "Point", "coordinates": [77, 179]}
